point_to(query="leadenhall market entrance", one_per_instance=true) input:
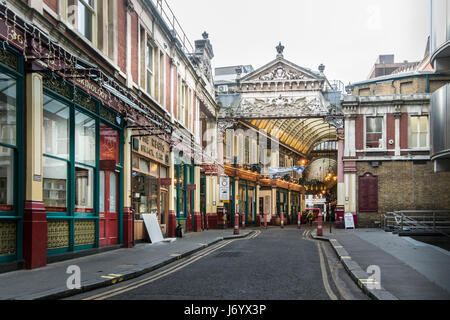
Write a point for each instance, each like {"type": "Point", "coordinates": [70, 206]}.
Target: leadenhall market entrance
{"type": "Point", "coordinates": [82, 169]}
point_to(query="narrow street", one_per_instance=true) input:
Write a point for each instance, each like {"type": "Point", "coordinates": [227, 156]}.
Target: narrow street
{"type": "Point", "coordinates": [272, 264]}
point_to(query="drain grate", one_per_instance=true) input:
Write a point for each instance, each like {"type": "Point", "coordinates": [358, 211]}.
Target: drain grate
{"type": "Point", "coordinates": [228, 254]}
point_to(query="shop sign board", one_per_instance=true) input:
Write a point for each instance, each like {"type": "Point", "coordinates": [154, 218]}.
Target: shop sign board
{"type": "Point", "coordinates": [224, 187]}
{"type": "Point", "coordinates": [152, 148]}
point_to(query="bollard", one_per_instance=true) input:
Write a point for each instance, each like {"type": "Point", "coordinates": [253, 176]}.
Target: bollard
{"type": "Point", "coordinates": [282, 220]}
{"type": "Point", "coordinates": [236, 224]}
{"type": "Point", "coordinates": [265, 220]}
{"type": "Point", "coordinates": [243, 221]}
{"type": "Point", "coordinates": [299, 220]}
{"type": "Point", "coordinates": [319, 225]}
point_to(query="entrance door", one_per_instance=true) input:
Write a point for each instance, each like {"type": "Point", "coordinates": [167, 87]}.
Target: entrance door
{"type": "Point", "coordinates": [109, 218]}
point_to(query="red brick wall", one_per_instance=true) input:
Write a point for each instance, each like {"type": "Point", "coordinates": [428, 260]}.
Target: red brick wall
{"type": "Point", "coordinates": [134, 47]}
{"type": "Point", "coordinates": [195, 109]}
{"type": "Point", "coordinates": [168, 81]}
{"type": "Point", "coordinates": [404, 131]}
{"type": "Point", "coordinates": [390, 134]}
{"type": "Point", "coordinates": [359, 132]}
{"type": "Point", "coordinates": [53, 4]}
{"type": "Point", "coordinates": [122, 35]}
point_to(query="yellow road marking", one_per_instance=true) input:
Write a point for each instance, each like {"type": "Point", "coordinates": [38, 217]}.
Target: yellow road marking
{"type": "Point", "coordinates": [115, 275]}
{"type": "Point", "coordinates": [108, 277]}
{"type": "Point", "coordinates": [324, 275]}
{"type": "Point", "coordinates": [345, 257]}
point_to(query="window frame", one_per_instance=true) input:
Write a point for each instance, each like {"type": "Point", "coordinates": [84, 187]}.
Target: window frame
{"type": "Point", "coordinates": [418, 147]}
{"type": "Point", "coordinates": [383, 133]}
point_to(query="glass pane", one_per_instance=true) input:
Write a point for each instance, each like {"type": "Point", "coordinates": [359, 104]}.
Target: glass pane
{"type": "Point", "coordinates": [6, 179]}
{"type": "Point", "coordinates": [154, 169]}
{"type": "Point", "coordinates": [55, 185]}
{"type": "Point", "coordinates": [112, 192]}
{"type": "Point", "coordinates": [423, 140]}
{"type": "Point", "coordinates": [102, 191]}
{"type": "Point", "coordinates": [109, 148]}
{"type": "Point", "coordinates": [413, 142]}
{"type": "Point", "coordinates": [84, 139]}
{"type": "Point", "coordinates": [164, 173]}
{"type": "Point", "coordinates": [374, 124]}
{"type": "Point", "coordinates": [84, 189]}
{"type": "Point", "coordinates": [145, 194]}
{"type": "Point", "coordinates": [8, 109]}
{"type": "Point", "coordinates": [85, 19]}
{"type": "Point", "coordinates": [144, 165]}
{"type": "Point", "coordinates": [56, 128]}
{"type": "Point", "coordinates": [423, 124]}
{"type": "Point", "coordinates": [414, 126]}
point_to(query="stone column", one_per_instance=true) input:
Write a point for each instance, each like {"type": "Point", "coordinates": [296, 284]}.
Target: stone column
{"type": "Point", "coordinates": [35, 217]}
{"type": "Point", "coordinates": [128, 213]}
{"type": "Point", "coordinates": [341, 186]}
{"type": "Point", "coordinates": [171, 225]}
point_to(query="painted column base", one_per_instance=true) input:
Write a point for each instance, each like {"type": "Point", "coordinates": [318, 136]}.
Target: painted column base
{"type": "Point", "coordinates": [197, 222]}
{"type": "Point", "coordinates": [212, 221]}
{"type": "Point", "coordinates": [128, 224]}
{"type": "Point", "coordinates": [189, 223]}
{"type": "Point", "coordinates": [172, 224]}
{"type": "Point", "coordinates": [34, 235]}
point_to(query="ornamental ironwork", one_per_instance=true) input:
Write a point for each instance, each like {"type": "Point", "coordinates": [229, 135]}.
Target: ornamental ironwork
{"type": "Point", "coordinates": [9, 59]}
{"type": "Point", "coordinates": [56, 85]}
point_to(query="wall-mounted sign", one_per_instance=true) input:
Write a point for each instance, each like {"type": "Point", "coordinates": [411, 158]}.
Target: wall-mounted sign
{"type": "Point", "coordinates": [153, 148]}
{"type": "Point", "coordinates": [166, 182]}
{"type": "Point", "coordinates": [224, 188]}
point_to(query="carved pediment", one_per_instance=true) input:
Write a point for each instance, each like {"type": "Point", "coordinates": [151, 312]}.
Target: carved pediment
{"type": "Point", "coordinates": [280, 72]}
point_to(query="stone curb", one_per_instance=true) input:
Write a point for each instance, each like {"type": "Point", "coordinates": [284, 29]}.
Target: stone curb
{"type": "Point", "coordinates": [91, 285]}
{"type": "Point", "coordinates": [355, 271]}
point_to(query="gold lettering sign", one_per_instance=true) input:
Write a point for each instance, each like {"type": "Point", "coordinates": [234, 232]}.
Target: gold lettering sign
{"type": "Point", "coordinates": [154, 148]}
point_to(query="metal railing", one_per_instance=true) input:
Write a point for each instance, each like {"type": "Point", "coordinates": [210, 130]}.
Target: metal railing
{"type": "Point", "coordinates": [172, 22]}
{"type": "Point", "coordinates": [417, 222]}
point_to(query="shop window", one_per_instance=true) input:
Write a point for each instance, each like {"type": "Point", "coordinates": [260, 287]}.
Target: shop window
{"type": "Point", "coordinates": [418, 133]}
{"type": "Point", "coordinates": [56, 128]}
{"type": "Point", "coordinates": [85, 139]}
{"type": "Point", "coordinates": [8, 110]}
{"type": "Point", "coordinates": [6, 179]}
{"type": "Point", "coordinates": [84, 189]}
{"type": "Point", "coordinates": [145, 194]}
{"type": "Point", "coordinates": [374, 132]}
{"type": "Point", "coordinates": [154, 169]}
{"type": "Point", "coordinates": [144, 165]}
{"type": "Point", "coordinates": [55, 185]}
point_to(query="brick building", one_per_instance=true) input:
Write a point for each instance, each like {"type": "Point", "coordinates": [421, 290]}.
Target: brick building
{"type": "Point", "coordinates": [387, 160]}
{"type": "Point", "coordinates": [100, 121]}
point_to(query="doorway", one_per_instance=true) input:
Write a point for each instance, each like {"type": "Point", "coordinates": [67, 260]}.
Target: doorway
{"type": "Point", "coordinates": [109, 218]}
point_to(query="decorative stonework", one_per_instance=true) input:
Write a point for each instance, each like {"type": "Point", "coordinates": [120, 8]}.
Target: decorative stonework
{"type": "Point", "coordinates": [280, 73]}
{"type": "Point", "coordinates": [8, 235]}
{"type": "Point", "coordinates": [84, 232]}
{"type": "Point", "coordinates": [281, 107]}
{"type": "Point", "coordinates": [58, 235]}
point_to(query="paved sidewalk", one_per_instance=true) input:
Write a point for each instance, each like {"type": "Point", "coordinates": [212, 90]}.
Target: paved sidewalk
{"type": "Point", "coordinates": [410, 270]}
{"type": "Point", "coordinates": [122, 264]}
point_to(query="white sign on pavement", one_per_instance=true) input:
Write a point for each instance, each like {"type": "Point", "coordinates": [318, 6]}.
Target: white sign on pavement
{"type": "Point", "coordinates": [349, 222]}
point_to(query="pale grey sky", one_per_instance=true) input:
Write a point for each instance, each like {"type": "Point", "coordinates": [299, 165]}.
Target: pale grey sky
{"type": "Point", "coordinates": [346, 36]}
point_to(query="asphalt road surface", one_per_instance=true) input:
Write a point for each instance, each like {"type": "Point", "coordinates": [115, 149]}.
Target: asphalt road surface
{"type": "Point", "coordinates": [272, 264]}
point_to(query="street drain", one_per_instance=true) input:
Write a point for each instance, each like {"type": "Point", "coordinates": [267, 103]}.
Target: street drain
{"type": "Point", "coordinates": [228, 254]}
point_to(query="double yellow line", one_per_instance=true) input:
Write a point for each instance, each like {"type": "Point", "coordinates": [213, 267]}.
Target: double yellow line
{"type": "Point", "coordinates": [164, 273]}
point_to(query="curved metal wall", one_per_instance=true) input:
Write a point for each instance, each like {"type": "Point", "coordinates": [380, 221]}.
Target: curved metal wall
{"type": "Point", "coordinates": [440, 122]}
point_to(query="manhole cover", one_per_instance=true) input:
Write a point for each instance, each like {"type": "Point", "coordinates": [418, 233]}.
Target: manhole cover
{"type": "Point", "coordinates": [228, 254]}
